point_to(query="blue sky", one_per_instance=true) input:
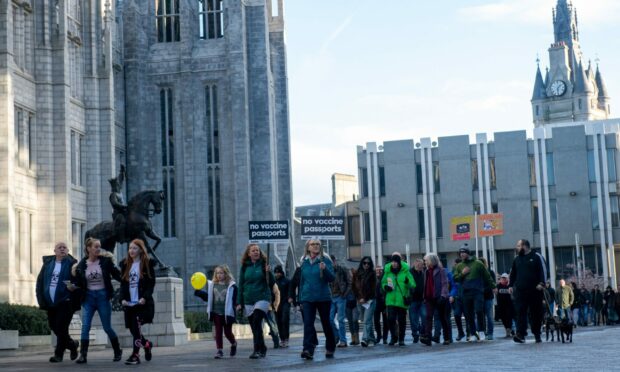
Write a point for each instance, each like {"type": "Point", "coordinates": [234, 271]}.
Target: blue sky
{"type": "Point", "coordinates": [363, 71]}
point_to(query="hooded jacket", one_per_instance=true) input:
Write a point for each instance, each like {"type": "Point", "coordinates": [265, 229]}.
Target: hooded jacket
{"type": "Point", "coordinates": [253, 284]}
{"type": "Point", "coordinates": [476, 279]}
{"type": "Point", "coordinates": [314, 285]}
{"type": "Point", "coordinates": [402, 281]}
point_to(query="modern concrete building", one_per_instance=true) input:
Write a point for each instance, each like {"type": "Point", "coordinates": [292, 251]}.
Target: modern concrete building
{"type": "Point", "coordinates": [191, 95]}
{"type": "Point", "coordinates": [558, 189]}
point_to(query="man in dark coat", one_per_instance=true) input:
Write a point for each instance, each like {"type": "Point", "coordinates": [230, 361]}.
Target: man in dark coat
{"type": "Point", "coordinates": [55, 294]}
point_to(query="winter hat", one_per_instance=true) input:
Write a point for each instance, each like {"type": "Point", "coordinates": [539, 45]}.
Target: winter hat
{"type": "Point", "coordinates": [395, 258]}
{"type": "Point", "coordinates": [464, 249]}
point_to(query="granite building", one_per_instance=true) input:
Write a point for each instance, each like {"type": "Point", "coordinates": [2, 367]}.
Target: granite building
{"type": "Point", "coordinates": [190, 95]}
{"type": "Point", "coordinates": [558, 189]}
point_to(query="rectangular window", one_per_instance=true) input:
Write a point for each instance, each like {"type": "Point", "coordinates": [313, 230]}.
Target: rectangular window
{"type": "Point", "coordinates": [550, 170]}
{"type": "Point", "coordinates": [213, 160]}
{"type": "Point", "coordinates": [17, 37]}
{"type": "Point", "coordinates": [594, 209]}
{"type": "Point", "coordinates": [421, 219]}
{"type": "Point", "coordinates": [611, 164]}
{"type": "Point", "coordinates": [353, 225]}
{"type": "Point", "coordinates": [532, 161]}
{"type": "Point", "coordinates": [18, 240]}
{"type": "Point", "coordinates": [167, 160]}
{"type": "Point", "coordinates": [384, 226]}
{"type": "Point", "coordinates": [494, 208]}
{"type": "Point", "coordinates": [23, 126]}
{"type": "Point", "coordinates": [418, 178]}
{"type": "Point", "coordinates": [77, 232]}
{"type": "Point", "coordinates": [77, 140]}
{"type": "Point", "coordinates": [438, 224]}
{"type": "Point", "coordinates": [615, 213]}
{"type": "Point", "coordinates": [492, 176]}
{"type": "Point", "coordinates": [211, 18]}
{"type": "Point", "coordinates": [364, 181]}
{"type": "Point", "coordinates": [436, 178]}
{"type": "Point", "coordinates": [553, 206]}
{"type": "Point", "coordinates": [381, 181]}
{"type": "Point", "coordinates": [591, 167]}
{"type": "Point", "coordinates": [76, 69]}
{"type": "Point", "coordinates": [535, 224]}
{"type": "Point", "coordinates": [167, 21]}
{"type": "Point", "coordinates": [474, 174]}
{"type": "Point", "coordinates": [366, 227]}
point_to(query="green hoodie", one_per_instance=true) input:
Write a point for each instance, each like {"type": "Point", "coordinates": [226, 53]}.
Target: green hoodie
{"type": "Point", "coordinates": [403, 282]}
{"type": "Point", "coordinates": [476, 279]}
{"type": "Point", "coordinates": [253, 286]}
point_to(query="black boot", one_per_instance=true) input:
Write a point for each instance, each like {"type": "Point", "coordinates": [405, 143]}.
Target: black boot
{"type": "Point", "coordinates": [118, 352]}
{"type": "Point", "coordinates": [83, 351]}
{"type": "Point", "coordinates": [73, 348]}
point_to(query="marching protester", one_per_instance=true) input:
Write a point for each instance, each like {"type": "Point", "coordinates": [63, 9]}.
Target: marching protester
{"type": "Point", "coordinates": [417, 310]}
{"type": "Point", "coordinates": [54, 294]}
{"type": "Point", "coordinates": [352, 312]}
{"type": "Point", "coordinates": [254, 295]}
{"type": "Point", "coordinates": [397, 282]}
{"type": "Point", "coordinates": [576, 306]}
{"type": "Point", "coordinates": [551, 293]}
{"type": "Point", "coordinates": [364, 288]}
{"type": "Point", "coordinates": [283, 312]}
{"type": "Point", "coordinates": [609, 313]}
{"type": "Point", "coordinates": [505, 307]}
{"type": "Point", "coordinates": [597, 305]}
{"type": "Point", "coordinates": [564, 297]}
{"type": "Point", "coordinates": [274, 332]}
{"type": "Point", "coordinates": [340, 287]}
{"type": "Point", "coordinates": [93, 275]}
{"type": "Point", "coordinates": [489, 300]}
{"type": "Point", "coordinates": [293, 297]}
{"type": "Point", "coordinates": [435, 298]}
{"type": "Point", "coordinates": [527, 280]}
{"type": "Point", "coordinates": [473, 277]}
{"type": "Point", "coordinates": [456, 300]}
{"type": "Point", "coordinates": [380, 316]}
{"type": "Point", "coordinates": [137, 285]}
{"type": "Point", "coordinates": [317, 272]}
{"type": "Point", "coordinates": [584, 310]}
{"type": "Point", "coordinates": [221, 298]}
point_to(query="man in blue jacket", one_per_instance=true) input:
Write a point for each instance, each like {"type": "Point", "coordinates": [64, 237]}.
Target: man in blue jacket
{"type": "Point", "coordinates": [54, 295]}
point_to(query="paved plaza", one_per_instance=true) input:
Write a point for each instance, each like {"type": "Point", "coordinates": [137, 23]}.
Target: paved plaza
{"type": "Point", "coordinates": [594, 348]}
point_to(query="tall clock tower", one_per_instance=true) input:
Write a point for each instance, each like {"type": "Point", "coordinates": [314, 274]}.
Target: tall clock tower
{"type": "Point", "coordinates": [571, 90]}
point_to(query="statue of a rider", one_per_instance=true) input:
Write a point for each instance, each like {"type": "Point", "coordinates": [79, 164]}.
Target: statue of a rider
{"type": "Point", "coordinates": [119, 213]}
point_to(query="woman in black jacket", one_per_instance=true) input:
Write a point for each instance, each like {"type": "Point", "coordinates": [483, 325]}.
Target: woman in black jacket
{"type": "Point", "coordinates": [380, 314]}
{"type": "Point", "coordinates": [137, 284]}
{"type": "Point", "coordinates": [93, 276]}
{"type": "Point", "coordinates": [364, 287]}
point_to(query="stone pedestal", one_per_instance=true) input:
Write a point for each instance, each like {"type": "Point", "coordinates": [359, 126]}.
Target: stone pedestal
{"type": "Point", "coordinates": [168, 327]}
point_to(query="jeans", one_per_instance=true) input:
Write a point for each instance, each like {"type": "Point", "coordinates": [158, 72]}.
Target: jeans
{"type": "Point", "coordinates": [583, 315]}
{"type": "Point", "coordinates": [309, 310]}
{"type": "Point", "coordinates": [575, 312]}
{"type": "Point", "coordinates": [353, 317]}
{"type": "Point", "coordinates": [397, 314]}
{"type": "Point", "coordinates": [59, 319]}
{"type": "Point", "coordinates": [473, 304]}
{"type": "Point", "coordinates": [367, 316]}
{"type": "Point", "coordinates": [273, 328]}
{"type": "Point", "coordinates": [417, 315]}
{"type": "Point", "coordinates": [488, 313]}
{"type": "Point", "coordinates": [221, 327]}
{"type": "Point", "coordinates": [97, 301]}
{"type": "Point", "coordinates": [457, 308]}
{"type": "Point", "coordinates": [283, 319]}
{"type": "Point", "coordinates": [338, 306]}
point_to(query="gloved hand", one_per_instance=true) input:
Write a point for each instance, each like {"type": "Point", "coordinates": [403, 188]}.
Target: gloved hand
{"type": "Point", "coordinates": [388, 288]}
{"type": "Point", "coordinates": [202, 294]}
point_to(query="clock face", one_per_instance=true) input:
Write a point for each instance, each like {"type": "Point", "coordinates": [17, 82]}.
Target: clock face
{"type": "Point", "coordinates": [558, 88]}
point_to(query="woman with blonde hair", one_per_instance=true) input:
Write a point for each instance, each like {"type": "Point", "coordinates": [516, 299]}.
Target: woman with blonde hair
{"type": "Point", "coordinates": [93, 275]}
{"type": "Point", "coordinates": [221, 299]}
{"type": "Point", "coordinates": [254, 297]}
{"type": "Point", "coordinates": [316, 272]}
{"type": "Point", "coordinates": [137, 285]}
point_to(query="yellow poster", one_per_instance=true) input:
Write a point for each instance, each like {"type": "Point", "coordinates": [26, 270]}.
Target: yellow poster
{"type": "Point", "coordinates": [490, 224]}
{"type": "Point", "coordinates": [461, 228]}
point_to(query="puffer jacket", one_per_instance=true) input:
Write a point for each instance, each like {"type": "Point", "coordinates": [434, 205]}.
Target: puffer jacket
{"type": "Point", "coordinates": [402, 281]}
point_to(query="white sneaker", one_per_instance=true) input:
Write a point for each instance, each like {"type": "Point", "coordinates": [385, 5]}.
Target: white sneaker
{"type": "Point", "coordinates": [480, 336]}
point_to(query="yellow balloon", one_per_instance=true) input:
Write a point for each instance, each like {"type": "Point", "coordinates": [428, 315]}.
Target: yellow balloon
{"type": "Point", "coordinates": [199, 280]}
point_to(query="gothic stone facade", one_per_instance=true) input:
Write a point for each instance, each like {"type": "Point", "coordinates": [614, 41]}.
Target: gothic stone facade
{"type": "Point", "coordinates": [190, 95]}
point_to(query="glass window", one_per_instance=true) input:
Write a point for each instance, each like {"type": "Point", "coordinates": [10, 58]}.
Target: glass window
{"type": "Point", "coordinates": [535, 222]}
{"type": "Point", "coordinates": [492, 177]}
{"type": "Point", "coordinates": [550, 170]}
{"type": "Point", "coordinates": [76, 158]}
{"type": "Point", "coordinates": [421, 219]}
{"type": "Point", "coordinates": [594, 208]}
{"type": "Point", "coordinates": [611, 164]}
{"type": "Point", "coordinates": [167, 16]}
{"type": "Point", "coordinates": [553, 206]}
{"type": "Point", "coordinates": [366, 227]}
{"type": "Point", "coordinates": [167, 147]}
{"type": "Point", "coordinates": [384, 226]}
{"type": "Point", "coordinates": [364, 181]}
{"type": "Point", "coordinates": [381, 181]}
{"type": "Point", "coordinates": [438, 222]}
{"type": "Point", "coordinates": [211, 18]}
{"type": "Point", "coordinates": [532, 160]}
{"type": "Point", "coordinates": [591, 167]}
{"type": "Point", "coordinates": [615, 213]}
{"type": "Point", "coordinates": [353, 230]}
{"type": "Point", "coordinates": [418, 177]}
{"type": "Point", "coordinates": [474, 174]}
{"type": "Point", "coordinates": [436, 178]}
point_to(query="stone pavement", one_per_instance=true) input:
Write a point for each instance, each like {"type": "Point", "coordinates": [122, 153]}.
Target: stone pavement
{"type": "Point", "coordinates": [594, 349]}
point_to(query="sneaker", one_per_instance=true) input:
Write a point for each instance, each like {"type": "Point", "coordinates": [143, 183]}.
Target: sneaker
{"type": "Point", "coordinates": [307, 355]}
{"type": "Point", "coordinates": [329, 354]}
{"type": "Point", "coordinates": [401, 343]}
{"type": "Point", "coordinates": [426, 341]}
{"type": "Point", "coordinates": [518, 339]}
{"type": "Point", "coordinates": [233, 350]}
{"type": "Point", "coordinates": [342, 344]}
{"type": "Point", "coordinates": [447, 342]}
{"type": "Point", "coordinates": [479, 336]}
{"type": "Point", "coordinates": [489, 338]}
{"type": "Point", "coordinates": [468, 339]}
{"type": "Point", "coordinates": [364, 343]}
{"type": "Point", "coordinates": [460, 337]}
{"type": "Point", "coordinates": [56, 359]}
{"type": "Point", "coordinates": [133, 359]}
{"type": "Point", "coordinates": [435, 339]}
{"type": "Point", "coordinates": [255, 355]}
{"type": "Point", "coordinates": [148, 347]}
{"type": "Point", "coordinates": [283, 344]}
{"type": "Point", "coordinates": [219, 354]}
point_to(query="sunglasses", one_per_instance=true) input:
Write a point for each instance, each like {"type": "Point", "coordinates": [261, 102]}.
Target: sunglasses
{"type": "Point", "coordinates": [366, 263]}
{"type": "Point", "coordinates": [319, 244]}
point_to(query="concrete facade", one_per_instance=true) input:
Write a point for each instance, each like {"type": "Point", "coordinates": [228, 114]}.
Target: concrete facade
{"type": "Point", "coordinates": [200, 112]}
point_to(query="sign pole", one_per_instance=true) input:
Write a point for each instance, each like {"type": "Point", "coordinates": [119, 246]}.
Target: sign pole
{"type": "Point", "coordinates": [476, 230]}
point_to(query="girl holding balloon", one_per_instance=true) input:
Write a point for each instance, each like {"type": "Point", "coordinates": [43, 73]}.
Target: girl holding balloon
{"type": "Point", "coordinates": [221, 299]}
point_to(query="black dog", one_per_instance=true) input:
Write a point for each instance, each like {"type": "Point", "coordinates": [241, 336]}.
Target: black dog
{"type": "Point", "coordinates": [552, 326]}
{"type": "Point", "coordinates": [566, 328]}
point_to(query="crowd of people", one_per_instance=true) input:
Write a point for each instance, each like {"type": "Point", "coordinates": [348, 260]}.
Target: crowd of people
{"type": "Point", "coordinates": [381, 297]}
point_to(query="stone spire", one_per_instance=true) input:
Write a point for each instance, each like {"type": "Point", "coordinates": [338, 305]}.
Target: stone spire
{"type": "Point", "coordinates": [582, 83]}
{"type": "Point", "coordinates": [539, 86]}
{"type": "Point", "coordinates": [565, 29]}
{"type": "Point", "coordinates": [600, 84]}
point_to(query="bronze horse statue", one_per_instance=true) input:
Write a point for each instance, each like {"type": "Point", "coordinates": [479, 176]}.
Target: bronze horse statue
{"type": "Point", "coordinates": [137, 224]}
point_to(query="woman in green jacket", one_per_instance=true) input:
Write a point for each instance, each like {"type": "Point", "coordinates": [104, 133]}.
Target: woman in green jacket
{"type": "Point", "coordinates": [397, 282]}
{"type": "Point", "coordinates": [255, 283]}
